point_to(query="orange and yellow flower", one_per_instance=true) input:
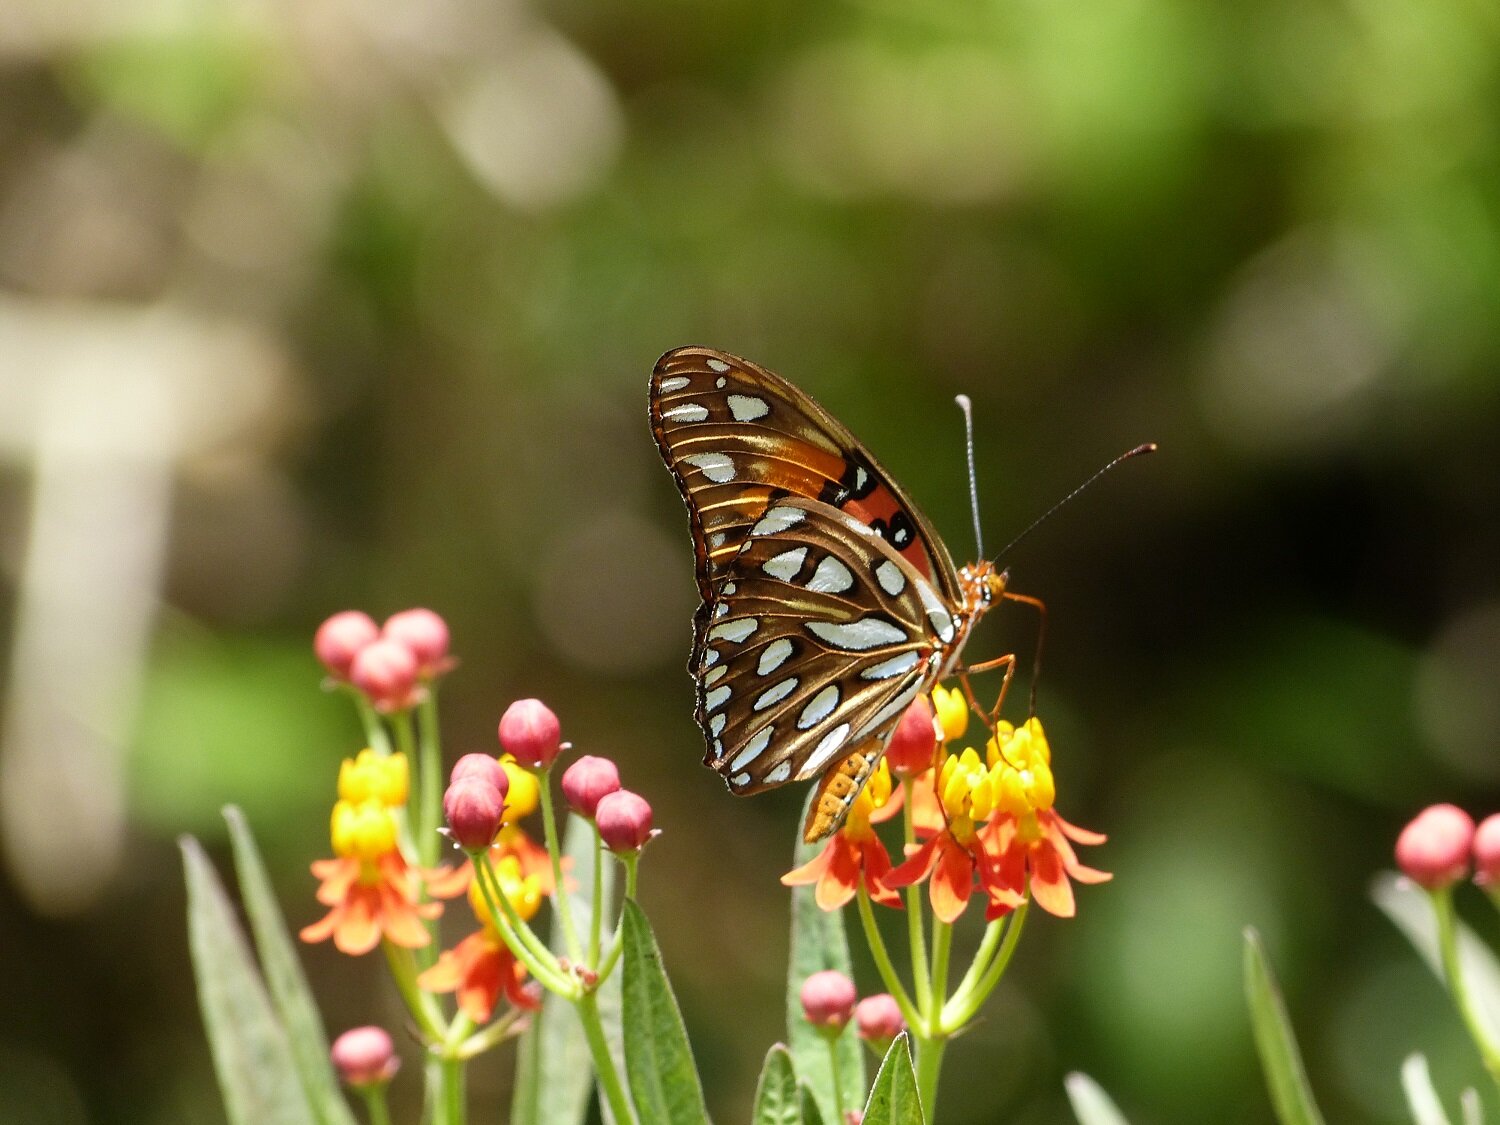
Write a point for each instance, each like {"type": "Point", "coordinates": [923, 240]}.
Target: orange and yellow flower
{"type": "Point", "coordinates": [1028, 846]}
{"type": "Point", "coordinates": [481, 967]}
{"type": "Point", "coordinates": [855, 852]}
{"type": "Point", "coordinates": [370, 891]}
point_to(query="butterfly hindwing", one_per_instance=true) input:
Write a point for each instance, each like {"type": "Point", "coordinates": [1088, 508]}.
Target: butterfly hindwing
{"type": "Point", "coordinates": [818, 637]}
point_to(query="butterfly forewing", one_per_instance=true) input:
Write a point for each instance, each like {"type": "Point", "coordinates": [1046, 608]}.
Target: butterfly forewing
{"type": "Point", "coordinates": [735, 435]}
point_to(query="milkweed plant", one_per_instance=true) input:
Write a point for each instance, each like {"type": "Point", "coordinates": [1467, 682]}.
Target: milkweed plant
{"type": "Point", "coordinates": [478, 854]}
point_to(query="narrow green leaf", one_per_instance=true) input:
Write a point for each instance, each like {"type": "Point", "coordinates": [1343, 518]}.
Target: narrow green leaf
{"type": "Point", "coordinates": [554, 1071]}
{"type": "Point", "coordinates": [811, 1115]}
{"type": "Point", "coordinates": [778, 1100]}
{"type": "Point", "coordinates": [1279, 1057]}
{"type": "Point", "coordinates": [1091, 1105]}
{"type": "Point", "coordinates": [1408, 906]}
{"type": "Point", "coordinates": [283, 972]}
{"type": "Point", "coordinates": [252, 1055]}
{"type": "Point", "coordinates": [893, 1097]}
{"type": "Point", "coordinates": [1425, 1105]}
{"type": "Point", "coordinates": [818, 942]}
{"type": "Point", "coordinates": [663, 1079]}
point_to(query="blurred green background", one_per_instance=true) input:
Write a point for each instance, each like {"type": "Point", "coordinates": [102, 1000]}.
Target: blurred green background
{"type": "Point", "coordinates": [307, 306]}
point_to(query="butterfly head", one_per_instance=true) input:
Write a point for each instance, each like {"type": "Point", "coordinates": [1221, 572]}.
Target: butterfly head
{"type": "Point", "coordinates": [982, 585]}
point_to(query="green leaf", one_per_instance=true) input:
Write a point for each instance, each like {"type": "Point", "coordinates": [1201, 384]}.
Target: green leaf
{"type": "Point", "coordinates": [1091, 1105]}
{"type": "Point", "coordinates": [811, 1115]}
{"type": "Point", "coordinates": [251, 1052]}
{"type": "Point", "coordinates": [663, 1080]}
{"type": "Point", "coordinates": [1426, 1108]}
{"type": "Point", "coordinates": [893, 1097]}
{"type": "Point", "coordinates": [283, 973]}
{"type": "Point", "coordinates": [1409, 907]}
{"type": "Point", "coordinates": [554, 1070]}
{"type": "Point", "coordinates": [817, 943]}
{"type": "Point", "coordinates": [1279, 1058]}
{"type": "Point", "coordinates": [778, 1100]}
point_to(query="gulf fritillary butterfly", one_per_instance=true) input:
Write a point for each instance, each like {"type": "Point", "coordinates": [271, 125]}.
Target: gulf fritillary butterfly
{"type": "Point", "coordinates": [829, 602]}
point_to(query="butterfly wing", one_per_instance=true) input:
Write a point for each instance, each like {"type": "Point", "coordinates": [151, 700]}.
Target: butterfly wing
{"type": "Point", "coordinates": [828, 599]}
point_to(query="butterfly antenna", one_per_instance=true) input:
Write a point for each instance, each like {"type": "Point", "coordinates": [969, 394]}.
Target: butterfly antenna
{"type": "Point", "coordinates": [1149, 447]}
{"type": "Point", "coordinates": [968, 408]}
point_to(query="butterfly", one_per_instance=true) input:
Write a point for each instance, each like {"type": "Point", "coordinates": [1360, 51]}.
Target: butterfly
{"type": "Point", "coordinates": [829, 602]}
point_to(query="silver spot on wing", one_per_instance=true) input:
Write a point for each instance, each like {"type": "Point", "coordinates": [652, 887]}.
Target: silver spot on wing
{"type": "Point", "coordinates": [736, 632]}
{"type": "Point", "coordinates": [774, 655]}
{"type": "Point", "coordinates": [717, 467]}
{"type": "Point", "coordinates": [819, 707]}
{"type": "Point", "coordinates": [831, 577]}
{"type": "Point", "coordinates": [785, 565]}
{"type": "Point", "coordinates": [891, 580]}
{"type": "Point", "coordinates": [747, 408]}
{"type": "Point", "coordinates": [895, 666]}
{"type": "Point", "coordinates": [776, 693]}
{"type": "Point", "coordinates": [826, 749]}
{"type": "Point", "coordinates": [753, 749]}
{"type": "Point", "coordinates": [675, 383]}
{"type": "Point", "coordinates": [857, 636]}
{"type": "Point", "coordinates": [777, 520]}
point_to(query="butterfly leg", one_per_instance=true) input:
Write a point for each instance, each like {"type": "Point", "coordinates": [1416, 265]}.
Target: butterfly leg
{"type": "Point", "coordinates": [991, 715]}
{"type": "Point", "coordinates": [1041, 635]}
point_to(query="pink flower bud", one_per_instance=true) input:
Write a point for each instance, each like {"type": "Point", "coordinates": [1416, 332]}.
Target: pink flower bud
{"type": "Point", "coordinates": [365, 1056]}
{"type": "Point", "coordinates": [1487, 852]}
{"type": "Point", "coordinates": [475, 809]}
{"type": "Point", "coordinates": [425, 633]}
{"type": "Point", "coordinates": [342, 636]}
{"type": "Point", "coordinates": [878, 1018]}
{"type": "Point", "coordinates": [485, 767]}
{"type": "Point", "coordinates": [915, 738]}
{"type": "Point", "coordinates": [530, 731]}
{"type": "Point", "coordinates": [828, 999]}
{"type": "Point", "coordinates": [1433, 850]}
{"type": "Point", "coordinates": [587, 780]}
{"type": "Point", "coordinates": [624, 820]}
{"type": "Point", "coordinates": [386, 671]}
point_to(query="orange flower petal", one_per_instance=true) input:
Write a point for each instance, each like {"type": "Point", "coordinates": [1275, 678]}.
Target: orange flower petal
{"type": "Point", "coordinates": [952, 881]}
{"type": "Point", "coordinates": [812, 870]}
{"type": "Point", "coordinates": [841, 877]}
{"type": "Point", "coordinates": [1049, 883]}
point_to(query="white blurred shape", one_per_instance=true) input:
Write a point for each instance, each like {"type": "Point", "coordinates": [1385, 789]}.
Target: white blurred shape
{"type": "Point", "coordinates": [1457, 706]}
{"type": "Point", "coordinates": [1298, 344]}
{"type": "Point", "coordinates": [102, 403]}
{"type": "Point", "coordinates": [539, 126]}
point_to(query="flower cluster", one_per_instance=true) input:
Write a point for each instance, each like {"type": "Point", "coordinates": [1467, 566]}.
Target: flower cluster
{"type": "Point", "coordinates": [983, 824]}
{"type": "Point", "coordinates": [390, 868]}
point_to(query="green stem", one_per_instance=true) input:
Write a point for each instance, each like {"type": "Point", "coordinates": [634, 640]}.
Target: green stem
{"type": "Point", "coordinates": [596, 917]}
{"type": "Point", "coordinates": [929, 1064]}
{"type": "Point", "coordinates": [914, 917]}
{"type": "Point", "coordinates": [554, 851]}
{"type": "Point", "coordinates": [840, 1114]}
{"type": "Point", "coordinates": [965, 1005]}
{"type": "Point", "coordinates": [942, 947]}
{"type": "Point", "coordinates": [1447, 927]}
{"type": "Point", "coordinates": [618, 941]}
{"type": "Point", "coordinates": [610, 1086]}
{"type": "Point", "coordinates": [375, 1104]}
{"type": "Point", "coordinates": [523, 942]}
{"type": "Point", "coordinates": [888, 975]}
{"type": "Point", "coordinates": [375, 733]}
{"type": "Point", "coordinates": [423, 1006]}
{"type": "Point", "coordinates": [430, 755]}
{"type": "Point", "coordinates": [452, 1098]}
{"type": "Point", "coordinates": [491, 1035]}
{"type": "Point", "coordinates": [982, 957]}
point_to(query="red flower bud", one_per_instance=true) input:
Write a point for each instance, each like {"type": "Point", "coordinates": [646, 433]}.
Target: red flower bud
{"type": "Point", "coordinates": [483, 766]}
{"type": "Point", "coordinates": [530, 731]}
{"type": "Point", "coordinates": [587, 780]}
{"type": "Point", "coordinates": [1487, 851]}
{"type": "Point", "coordinates": [475, 809]}
{"type": "Point", "coordinates": [342, 636]}
{"type": "Point", "coordinates": [624, 820]}
{"type": "Point", "coordinates": [828, 999]}
{"type": "Point", "coordinates": [878, 1018]}
{"type": "Point", "coordinates": [425, 633]}
{"type": "Point", "coordinates": [365, 1056]}
{"type": "Point", "coordinates": [1433, 850]}
{"type": "Point", "coordinates": [915, 739]}
{"type": "Point", "coordinates": [386, 671]}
